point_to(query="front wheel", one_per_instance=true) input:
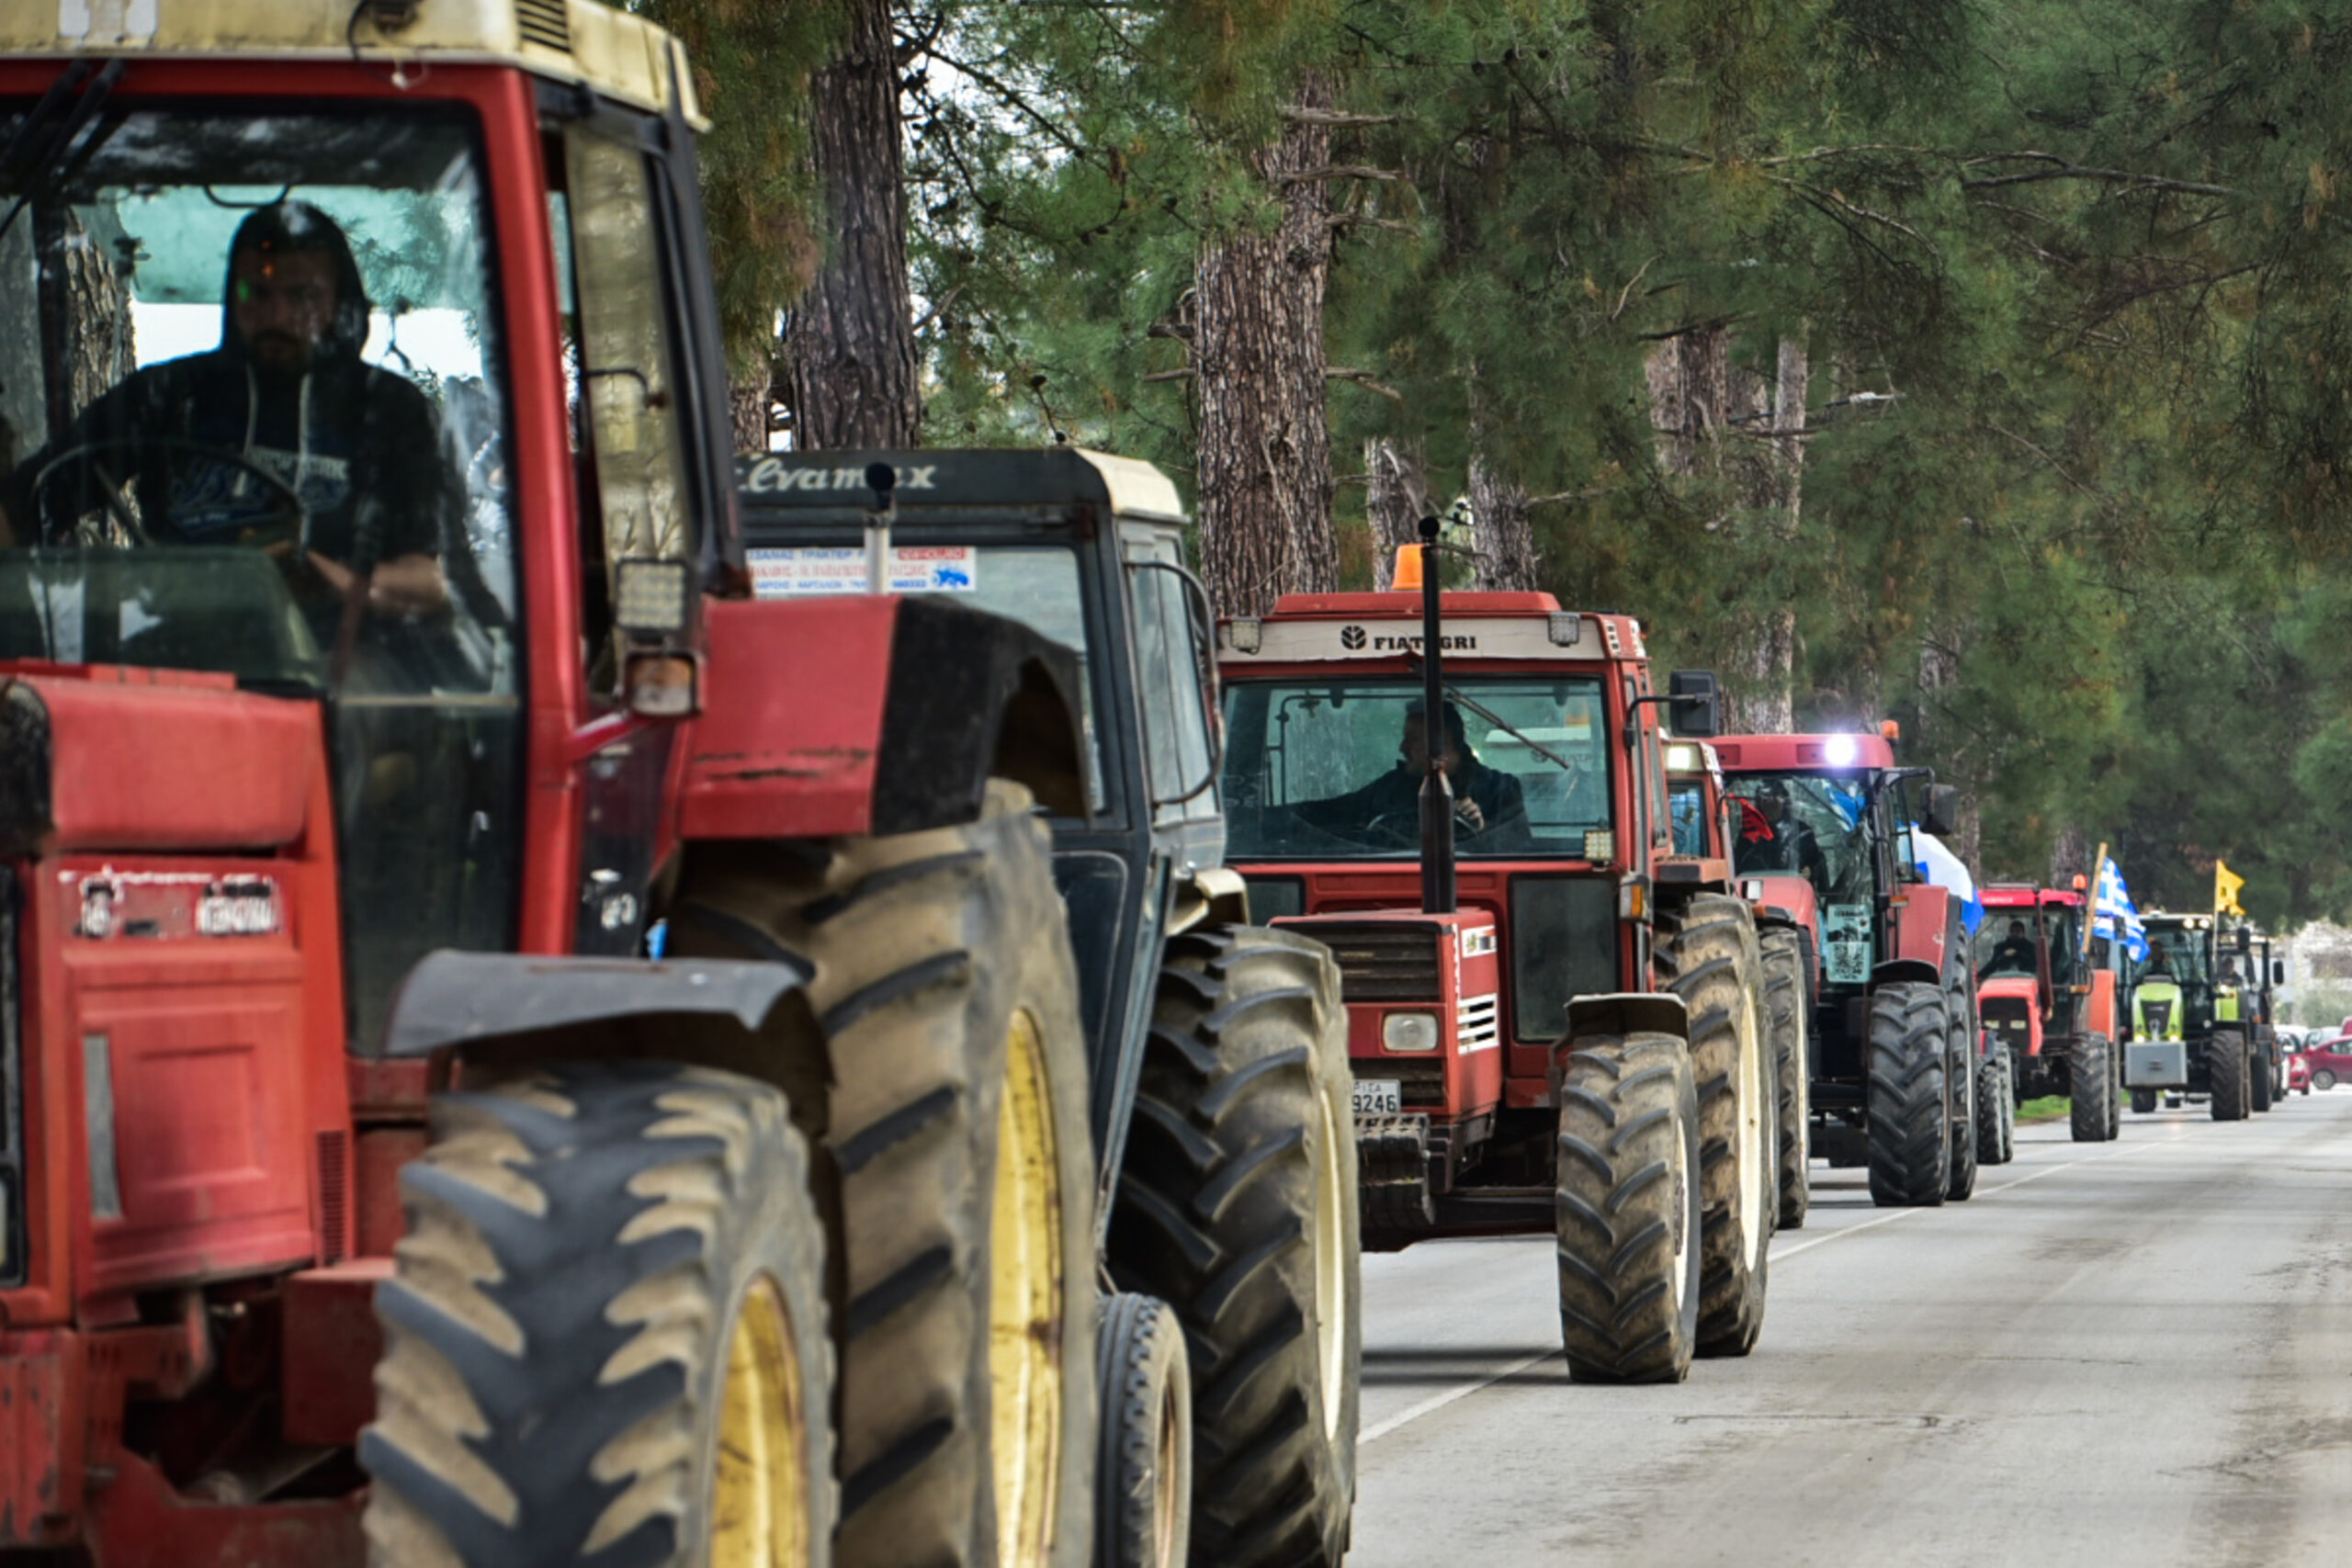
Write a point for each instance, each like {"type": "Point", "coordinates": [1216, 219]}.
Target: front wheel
{"type": "Point", "coordinates": [2227, 1067]}
{"type": "Point", "coordinates": [2322, 1079]}
{"type": "Point", "coordinates": [1909, 1097]}
{"type": "Point", "coordinates": [2260, 1081]}
{"type": "Point", "coordinates": [2090, 1090]}
{"type": "Point", "coordinates": [1995, 1114]}
{"type": "Point", "coordinates": [1237, 1206]}
{"type": "Point", "coordinates": [1784, 1008]}
{"type": "Point", "coordinates": [2143, 1101]}
{"type": "Point", "coordinates": [1628, 1209]}
{"type": "Point", "coordinates": [1143, 1466]}
{"type": "Point", "coordinates": [1961, 1040]}
{"type": "Point", "coordinates": [604, 1333]}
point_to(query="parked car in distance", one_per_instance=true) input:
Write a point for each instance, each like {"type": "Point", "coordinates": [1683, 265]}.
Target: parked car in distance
{"type": "Point", "coordinates": [2330, 1061]}
{"type": "Point", "coordinates": [2299, 1071]}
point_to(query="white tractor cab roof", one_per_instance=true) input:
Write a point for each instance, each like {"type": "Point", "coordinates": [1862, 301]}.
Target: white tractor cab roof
{"type": "Point", "coordinates": [1312, 628]}
{"type": "Point", "coordinates": [1693, 758]}
{"type": "Point", "coordinates": [596, 46]}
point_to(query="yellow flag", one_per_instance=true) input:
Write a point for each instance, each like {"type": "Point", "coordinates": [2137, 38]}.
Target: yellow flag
{"type": "Point", "coordinates": [2227, 885]}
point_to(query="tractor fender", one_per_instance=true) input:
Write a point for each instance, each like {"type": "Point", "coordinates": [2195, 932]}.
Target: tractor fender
{"type": "Point", "coordinates": [1927, 929]}
{"type": "Point", "coordinates": [1620, 1013]}
{"type": "Point", "coordinates": [1789, 896]}
{"type": "Point", "coordinates": [1209, 894]}
{"type": "Point", "coordinates": [470, 999]}
{"type": "Point", "coordinates": [875, 715]}
{"type": "Point", "coordinates": [1895, 970]}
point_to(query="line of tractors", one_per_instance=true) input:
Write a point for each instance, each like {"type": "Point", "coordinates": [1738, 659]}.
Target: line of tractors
{"type": "Point", "coordinates": [817, 1008]}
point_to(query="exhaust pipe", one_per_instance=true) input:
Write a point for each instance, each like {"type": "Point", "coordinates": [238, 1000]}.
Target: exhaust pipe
{"type": "Point", "coordinates": [1437, 791]}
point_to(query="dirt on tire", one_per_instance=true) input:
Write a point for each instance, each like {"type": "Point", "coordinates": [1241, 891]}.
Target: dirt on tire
{"type": "Point", "coordinates": [1239, 1183]}
{"type": "Point", "coordinates": [603, 1262]}
{"type": "Point", "coordinates": [932, 956]}
{"type": "Point", "coordinates": [1628, 1225]}
{"type": "Point", "coordinates": [1707, 954]}
{"type": "Point", "coordinates": [1909, 1112]}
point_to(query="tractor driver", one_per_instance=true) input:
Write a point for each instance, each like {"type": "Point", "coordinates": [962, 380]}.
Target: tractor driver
{"type": "Point", "coordinates": [1771, 839]}
{"type": "Point", "coordinates": [217, 445]}
{"type": "Point", "coordinates": [2013, 955]}
{"type": "Point", "coordinates": [1489, 804]}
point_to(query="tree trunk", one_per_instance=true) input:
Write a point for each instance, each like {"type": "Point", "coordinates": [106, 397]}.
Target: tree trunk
{"type": "Point", "coordinates": [1504, 533]}
{"type": "Point", "coordinates": [851, 341]}
{"type": "Point", "coordinates": [2070, 856]}
{"type": "Point", "coordinates": [1265, 449]}
{"type": "Point", "coordinates": [1396, 497]}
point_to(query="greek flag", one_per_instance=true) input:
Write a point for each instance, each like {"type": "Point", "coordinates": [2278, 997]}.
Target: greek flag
{"type": "Point", "coordinates": [2112, 903]}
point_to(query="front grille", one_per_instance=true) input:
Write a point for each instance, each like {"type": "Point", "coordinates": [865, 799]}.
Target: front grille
{"type": "Point", "coordinates": [1476, 1028]}
{"type": "Point", "coordinates": [547, 23]}
{"type": "Point", "coordinates": [1384, 963]}
{"type": "Point", "coordinates": [1421, 1084]}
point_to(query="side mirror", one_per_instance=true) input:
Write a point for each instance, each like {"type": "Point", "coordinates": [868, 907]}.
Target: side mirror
{"type": "Point", "coordinates": [1943, 809]}
{"type": "Point", "coordinates": [2278, 971]}
{"type": "Point", "coordinates": [1697, 705]}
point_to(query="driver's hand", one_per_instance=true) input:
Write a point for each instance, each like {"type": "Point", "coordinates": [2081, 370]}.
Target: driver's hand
{"type": "Point", "coordinates": [1467, 812]}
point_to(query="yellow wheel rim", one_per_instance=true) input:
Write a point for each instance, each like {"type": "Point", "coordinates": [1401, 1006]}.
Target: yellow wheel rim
{"type": "Point", "coordinates": [1026, 1305]}
{"type": "Point", "coordinates": [760, 1512]}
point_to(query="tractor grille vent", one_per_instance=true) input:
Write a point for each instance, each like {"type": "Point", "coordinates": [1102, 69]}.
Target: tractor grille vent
{"type": "Point", "coordinates": [1384, 963]}
{"type": "Point", "coordinates": [334, 1195]}
{"type": "Point", "coordinates": [1474, 1029]}
{"type": "Point", "coordinates": [1420, 1085]}
{"type": "Point", "coordinates": [547, 23]}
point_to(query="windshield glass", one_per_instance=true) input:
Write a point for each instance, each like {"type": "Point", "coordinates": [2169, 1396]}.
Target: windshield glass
{"type": "Point", "coordinates": [2005, 943]}
{"type": "Point", "coordinates": [251, 421]}
{"type": "Point", "coordinates": [1327, 769]}
{"type": "Point", "coordinates": [2176, 953]}
{"type": "Point", "coordinates": [1813, 823]}
{"type": "Point", "coordinates": [1035, 584]}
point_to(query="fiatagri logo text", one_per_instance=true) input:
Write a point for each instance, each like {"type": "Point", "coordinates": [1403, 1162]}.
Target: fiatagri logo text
{"type": "Point", "coordinates": [1355, 639]}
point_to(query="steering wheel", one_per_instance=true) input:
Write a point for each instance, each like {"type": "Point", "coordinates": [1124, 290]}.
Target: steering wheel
{"type": "Point", "coordinates": [286, 527]}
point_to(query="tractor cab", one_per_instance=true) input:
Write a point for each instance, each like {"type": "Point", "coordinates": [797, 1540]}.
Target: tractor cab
{"type": "Point", "coordinates": [1824, 838]}
{"type": "Point", "coordinates": [2043, 983]}
{"type": "Point", "coordinates": [1088, 550]}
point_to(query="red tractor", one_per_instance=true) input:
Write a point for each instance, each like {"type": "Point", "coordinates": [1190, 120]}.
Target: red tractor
{"type": "Point", "coordinates": [1825, 840]}
{"type": "Point", "coordinates": [2047, 990]}
{"type": "Point", "coordinates": [381, 670]}
{"type": "Point", "coordinates": [1556, 1023]}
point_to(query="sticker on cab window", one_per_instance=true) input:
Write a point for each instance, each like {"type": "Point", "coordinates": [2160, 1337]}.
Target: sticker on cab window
{"type": "Point", "coordinates": [794, 570]}
{"type": "Point", "coordinates": [1845, 944]}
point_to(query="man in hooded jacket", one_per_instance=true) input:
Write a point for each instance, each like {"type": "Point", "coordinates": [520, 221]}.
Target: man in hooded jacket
{"type": "Point", "coordinates": [285, 395]}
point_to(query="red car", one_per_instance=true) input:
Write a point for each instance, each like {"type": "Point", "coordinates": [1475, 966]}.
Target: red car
{"type": "Point", "coordinates": [2330, 1061]}
{"type": "Point", "coordinates": [2299, 1071]}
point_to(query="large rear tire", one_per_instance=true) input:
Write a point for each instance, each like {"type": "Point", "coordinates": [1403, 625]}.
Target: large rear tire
{"type": "Point", "coordinates": [2259, 1079]}
{"type": "Point", "coordinates": [2227, 1067]}
{"type": "Point", "coordinates": [604, 1333]}
{"type": "Point", "coordinates": [2090, 1090]}
{"type": "Point", "coordinates": [1143, 1474]}
{"type": "Point", "coordinates": [1629, 1221]}
{"type": "Point", "coordinates": [1237, 1206]}
{"type": "Point", "coordinates": [941, 1073]}
{"type": "Point", "coordinates": [1787, 1024]}
{"type": "Point", "coordinates": [1707, 954]}
{"type": "Point", "coordinates": [1909, 1097]}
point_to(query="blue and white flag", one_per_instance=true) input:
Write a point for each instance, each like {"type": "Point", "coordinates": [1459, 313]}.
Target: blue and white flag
{"type": "Point", "coordinates": [1939, 866]}
{"type": "Point", "coordinates": [2111, 903]}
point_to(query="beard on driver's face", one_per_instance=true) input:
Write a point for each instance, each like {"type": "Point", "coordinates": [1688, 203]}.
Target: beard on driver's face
{"type": "Point", "coordinates": [278, 351]}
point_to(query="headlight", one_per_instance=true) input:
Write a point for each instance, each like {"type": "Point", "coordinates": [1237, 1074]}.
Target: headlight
{"type": "Point", "coordinates": [1409, 1032]}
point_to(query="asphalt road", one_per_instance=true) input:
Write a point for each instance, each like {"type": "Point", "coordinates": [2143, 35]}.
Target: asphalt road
{"type": "Point", "coordinates": [2137, 1352]}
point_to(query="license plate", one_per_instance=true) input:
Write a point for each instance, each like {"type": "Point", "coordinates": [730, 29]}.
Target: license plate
{"type": "Point", "coordinates": [1374, 1096]}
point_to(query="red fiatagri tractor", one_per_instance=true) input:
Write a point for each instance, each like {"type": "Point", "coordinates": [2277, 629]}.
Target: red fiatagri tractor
{"type": "Point", "coordinates": [2047, 991]}
{"type": "Point", "coordinates": [1556, 1023]}
{"type": "Point", "coordinates": [1824, 840]}
{"type": "Point", "coordinates": [366, 1192]}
